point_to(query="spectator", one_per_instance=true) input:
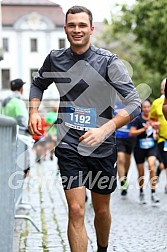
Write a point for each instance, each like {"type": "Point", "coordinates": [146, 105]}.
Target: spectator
{"type": "Point", "coordinates": [14, 106]}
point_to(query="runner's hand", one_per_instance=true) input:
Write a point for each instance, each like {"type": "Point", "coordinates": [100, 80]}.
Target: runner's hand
{"type": "Point", "coordinates": [35, 124]}
{"type": "Point", "coordinates": [93, 137]}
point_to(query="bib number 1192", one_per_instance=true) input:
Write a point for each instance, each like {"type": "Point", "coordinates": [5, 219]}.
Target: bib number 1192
{"type": "Point", "coordinates": [80, 118]}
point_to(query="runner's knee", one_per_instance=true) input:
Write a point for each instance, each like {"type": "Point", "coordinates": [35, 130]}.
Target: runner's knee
{"type": "Point", "coordinates": [76, 212]}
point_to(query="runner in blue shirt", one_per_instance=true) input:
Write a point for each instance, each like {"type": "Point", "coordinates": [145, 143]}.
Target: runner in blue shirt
{"type": "Point", "coordinates": [125, 145]}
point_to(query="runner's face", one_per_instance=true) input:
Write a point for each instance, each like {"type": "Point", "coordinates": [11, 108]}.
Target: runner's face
{"type": "Point", "coordinates": [146, 107]}
{"type": "Point", "coordinates": [78, 30]}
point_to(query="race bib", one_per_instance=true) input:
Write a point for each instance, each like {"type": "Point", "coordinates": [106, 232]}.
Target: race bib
{"type": "Point", "coordinates": [80, 118]}
{"type": "Point", "coordinates": [146, 143]}
{"type": "Point", "coordinates": [165, 145]}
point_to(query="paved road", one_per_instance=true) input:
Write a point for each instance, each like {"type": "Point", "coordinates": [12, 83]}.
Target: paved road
{"type": "Point", "coordinates": [135, 227]}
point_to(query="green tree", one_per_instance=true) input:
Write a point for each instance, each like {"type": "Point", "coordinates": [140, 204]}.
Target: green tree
{"type": "Point", "coordinates": [138, 34]}
{"type": "Point", "coordinates": [148, 21]}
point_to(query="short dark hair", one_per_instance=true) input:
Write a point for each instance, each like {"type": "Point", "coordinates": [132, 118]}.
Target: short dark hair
{"type": "Point", "coordinates": [78, 9]}
{"type": "Point", "coordinates": [16, 85]}
{"type": "Point", "coordinates": [146, 100]}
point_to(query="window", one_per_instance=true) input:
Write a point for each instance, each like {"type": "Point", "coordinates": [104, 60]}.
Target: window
{"type": "Point", "coordinates": [5, 44]}
{"type": "Point", "coordinates": [33, 73]}
{"type": "Point", "coordinates": [62, 43]}
{"type": "Point", "coordinates": [5, 79]}
{"type": "Point", "coordinates": [33, 45]}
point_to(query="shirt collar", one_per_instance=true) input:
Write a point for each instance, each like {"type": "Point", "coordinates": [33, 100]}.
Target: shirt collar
{"type": "Point", "coordinates": [82, 56]}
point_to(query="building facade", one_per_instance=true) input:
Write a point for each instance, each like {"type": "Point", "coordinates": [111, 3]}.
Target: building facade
{"type": "Point", "coordinates": [30, 30]}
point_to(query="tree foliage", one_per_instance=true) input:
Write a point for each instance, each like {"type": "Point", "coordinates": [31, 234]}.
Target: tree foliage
{"type": "Point", "coordinates": [148, 21]}
{"type": "Point", "coordinates": [139, 35]}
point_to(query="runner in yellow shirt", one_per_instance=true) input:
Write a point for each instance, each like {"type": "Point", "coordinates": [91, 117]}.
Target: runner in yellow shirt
{"type": "Point", "coordinates": [156, 114]}
{"type": "Point", "coordinates": [164, 108]}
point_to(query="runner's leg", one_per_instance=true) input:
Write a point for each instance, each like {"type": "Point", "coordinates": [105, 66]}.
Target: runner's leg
{"type": "Point", "coordinates": [76, 229]}
{"type": "Point", "coordinates": [102, 221]}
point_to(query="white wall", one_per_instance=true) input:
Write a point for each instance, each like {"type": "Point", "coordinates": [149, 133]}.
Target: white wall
{"type": "Point", "coordinates": [20, 60]}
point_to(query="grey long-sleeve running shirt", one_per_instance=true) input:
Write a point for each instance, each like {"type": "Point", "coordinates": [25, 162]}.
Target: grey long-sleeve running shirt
{"type": "Point", "coordinates": [88, 85]}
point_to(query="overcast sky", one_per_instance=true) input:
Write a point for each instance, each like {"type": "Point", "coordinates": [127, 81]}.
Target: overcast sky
{"type": "Point", "coordinates": [100, 9]}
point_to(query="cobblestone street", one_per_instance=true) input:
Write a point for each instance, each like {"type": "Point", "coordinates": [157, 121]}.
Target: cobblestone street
{"type": "Point", "coordinates": [135, 227]}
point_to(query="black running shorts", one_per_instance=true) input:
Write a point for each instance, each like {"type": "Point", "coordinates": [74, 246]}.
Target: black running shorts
{"type": "Point", "coordinates": [96, 174]}
{"type": "Point", "coordinates": [162, 153]}
{"type": "Point", "coordinates": [141, 154]}
{"type": "Point", "coordinates": [125, 145]}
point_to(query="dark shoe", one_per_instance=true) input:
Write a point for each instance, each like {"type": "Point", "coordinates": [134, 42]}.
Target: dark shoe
{"type": "Point", "coordinates": [124, 188]}
{"type": "Point", "coordinates": [124, 192]}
